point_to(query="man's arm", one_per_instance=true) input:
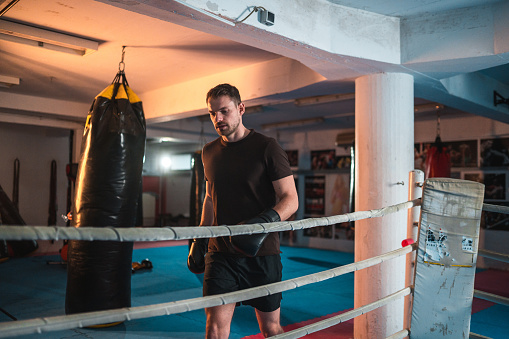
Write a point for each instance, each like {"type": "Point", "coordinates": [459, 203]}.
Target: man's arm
{"type": "Point", "coordinates": [288, 201]}
{"type": "Point", "coordinates": [207, 213]}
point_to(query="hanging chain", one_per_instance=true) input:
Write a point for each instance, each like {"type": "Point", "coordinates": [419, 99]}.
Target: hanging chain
{"type": "Point", "coordinates": [438, 122]}
{"type": "Point", "coordinates": [121, 64]}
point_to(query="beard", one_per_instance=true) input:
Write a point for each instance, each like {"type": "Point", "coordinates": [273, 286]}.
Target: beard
{"type": "Point", "coordinates": [228, 130]}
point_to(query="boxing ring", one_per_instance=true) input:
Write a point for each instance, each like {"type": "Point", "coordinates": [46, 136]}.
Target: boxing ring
{"type": "Point", "coordinates": [57, 323]}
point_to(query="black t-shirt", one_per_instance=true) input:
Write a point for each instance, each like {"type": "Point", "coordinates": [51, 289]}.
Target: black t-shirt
{"type": "Point", "coordinates": [240, 176]}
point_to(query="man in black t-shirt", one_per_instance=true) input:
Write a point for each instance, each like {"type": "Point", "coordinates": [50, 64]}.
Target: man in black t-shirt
{"type": "Point", "coordinates": [249, 180]}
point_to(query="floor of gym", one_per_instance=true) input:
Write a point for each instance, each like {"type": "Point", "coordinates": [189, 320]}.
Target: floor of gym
{"type": "Point", "coordinates": [34, 287]}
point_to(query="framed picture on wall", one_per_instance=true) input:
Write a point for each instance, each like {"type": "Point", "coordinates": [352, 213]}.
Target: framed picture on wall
{"type": "Point", "coordinates": [343, 161]}
{"type": "Point", "coordinates": [314, 205]}
{"type": "Point", "coordinates": [325, 159]}
{"type": "Point", "coordinates": [314, 196]}
{"type": "Point", "coordinates": [293, 157]}
{"type": "Point", "coordinates": [495, 185]}
{"type": "Point", "coordinates": [495, 152]}
{"type": "Point", "coordinates": [337, 191]}
{"type": "Point", "coordinates": [463, 153]}
{"type": "Point", "coordinates": [476, 176]}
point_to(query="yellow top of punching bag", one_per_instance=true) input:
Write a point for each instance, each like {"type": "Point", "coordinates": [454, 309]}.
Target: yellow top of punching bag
{"type": "Point", "coordinates": [121, 93]}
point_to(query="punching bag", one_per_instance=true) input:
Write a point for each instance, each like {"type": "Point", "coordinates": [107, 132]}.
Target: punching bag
{"type": "Point", "coordinates": [9, 215]}
{"type": "Point", "coordinates": [438, 161]}
{"type": "Point", "coordinates": [108, 184]}
{"type": "Point", "coordinates": [197, 190]}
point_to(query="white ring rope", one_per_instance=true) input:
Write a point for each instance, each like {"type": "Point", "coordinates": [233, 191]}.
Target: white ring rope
{"type": "Point", "coordinates": [321, 325]}
{"type": "Point", "coordinates": [477, 336]}
{"type": "Point", "coordinates": [494, 255]}
{"type": "Point", "coordinates": [185, 232]}
{"type": "Point", "coordinates": [400, 335]}
{"type": "Point", "coordinates": [58, 323]}
{"type": "Point", "coordinates": [495, 208]}
{"type": "Point", "coordinates": [491, 297]}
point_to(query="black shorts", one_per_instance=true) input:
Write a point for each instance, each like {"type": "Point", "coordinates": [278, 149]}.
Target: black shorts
{"type": "Point", "coordinates": [228, 273]}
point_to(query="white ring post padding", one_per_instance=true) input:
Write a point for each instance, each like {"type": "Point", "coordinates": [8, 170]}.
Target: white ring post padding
{"type": "Point", "coordinates": [321, 325]}
{"type": "Point", "coordinates": [494, 255]}
{"type": "Point", "coordinates": [184, 232]}
{"type": "Point", "coordinates": [491, 297]}
{"type": "Point", "coordinates": [58, 323]}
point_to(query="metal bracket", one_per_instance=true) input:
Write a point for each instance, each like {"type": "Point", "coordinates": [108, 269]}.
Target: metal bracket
{"type": "Point", "coordinates": [498, 99]}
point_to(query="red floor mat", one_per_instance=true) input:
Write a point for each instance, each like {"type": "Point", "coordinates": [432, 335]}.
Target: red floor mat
{"type": "Point", "coordinates": [339, 331]}
{"type": "Point", "coordinates": [491, 281]}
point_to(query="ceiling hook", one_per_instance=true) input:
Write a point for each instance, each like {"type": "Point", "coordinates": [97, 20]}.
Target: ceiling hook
{"type": "Point", "coordinates": [121, 64]}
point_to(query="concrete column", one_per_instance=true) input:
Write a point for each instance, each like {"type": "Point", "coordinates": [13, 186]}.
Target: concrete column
{"type": "Point", "coordinates": [384, 138]}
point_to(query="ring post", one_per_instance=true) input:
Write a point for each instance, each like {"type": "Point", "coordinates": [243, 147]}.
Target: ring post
{"type": "Point", "coordinates": [415, 183]}
{"type": "Point", "coordinates": [446, 258]}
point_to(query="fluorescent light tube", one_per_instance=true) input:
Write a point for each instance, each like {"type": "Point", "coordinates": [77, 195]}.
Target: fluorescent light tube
{"type": "Point", "coordinates": [38, 37]}
{"type": "Point", "coordinates": [7, 81]}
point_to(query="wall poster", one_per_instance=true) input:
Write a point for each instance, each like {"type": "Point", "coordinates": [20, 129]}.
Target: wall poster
{"type": "Point", "coordinates": [495, 152]}
{"type": "Point", "coordinates": [462, 153]}
{"type": "Point", "coordinates": [337, 191]}
{"type": "Point", "coordinates": [328, 195]}
{"type": "Point", "coordinates": [325, 159]}
{"type": "Point", "coordinates": [293, 158]}
{"type": "Point", "coordinates": [314, 205]}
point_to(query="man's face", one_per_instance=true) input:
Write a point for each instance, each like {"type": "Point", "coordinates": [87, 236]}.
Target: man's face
{"type": "Point", "coordinates": [225, 115]}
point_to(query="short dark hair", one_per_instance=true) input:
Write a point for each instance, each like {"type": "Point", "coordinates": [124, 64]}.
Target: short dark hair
{"type": "Point", "coordinates": [224, 89]}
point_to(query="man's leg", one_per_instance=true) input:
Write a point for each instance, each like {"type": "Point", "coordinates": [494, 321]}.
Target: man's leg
{"type": "Point", "coordinates": [269, 322]}
{"type": "Point", "coordinates": [219, 319]}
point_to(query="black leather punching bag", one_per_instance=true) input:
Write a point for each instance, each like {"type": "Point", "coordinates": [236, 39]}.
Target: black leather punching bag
{"type": "Point", "coordinates": [107, 190]}
{"type": "Point", "coordinates": [9, 215]}
{"type": "Point", "coordinates": [197, 190]}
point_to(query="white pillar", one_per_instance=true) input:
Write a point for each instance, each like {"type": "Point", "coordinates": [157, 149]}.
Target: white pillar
{"type": "Point", "coordinates": [384, 139]}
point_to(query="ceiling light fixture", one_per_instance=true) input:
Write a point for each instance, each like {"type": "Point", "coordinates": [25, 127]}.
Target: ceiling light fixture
{"type": "Point", "coordinates": [294, 123]}
{"type": "Point", "coordinates": [322, 99]}
{"type": "Point", "coordinates": [7, 81]}
{"type": "Point", "coordinates": [32, 36]}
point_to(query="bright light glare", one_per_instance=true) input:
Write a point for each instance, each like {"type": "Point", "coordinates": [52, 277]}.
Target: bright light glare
{"type": "Point", "coordinates": [166, 162]}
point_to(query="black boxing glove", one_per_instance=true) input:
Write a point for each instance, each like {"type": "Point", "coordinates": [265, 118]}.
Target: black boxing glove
{"type": "Point", "coordinates": [196, 257]}
{"type": "Point", "coordinates": [250, 244]}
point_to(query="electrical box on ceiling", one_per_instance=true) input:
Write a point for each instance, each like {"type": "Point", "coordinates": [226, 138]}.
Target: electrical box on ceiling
{"type": "Point", "coordinates": [266, 17]}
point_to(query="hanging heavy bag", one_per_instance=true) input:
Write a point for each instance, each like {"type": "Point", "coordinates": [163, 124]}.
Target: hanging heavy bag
{"type": "Point", "coordinates": [107, 190]}
{"type": "Point", "coordinates": [197, 190]}
{"type": "Point", "coordinates": [438, 161]}
{"type": "Point", "coordinates": [197, 247]}
{"type": "Point", "coordinates": [9, 215]}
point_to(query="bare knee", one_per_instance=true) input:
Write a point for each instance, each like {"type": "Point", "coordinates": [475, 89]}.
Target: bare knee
{"type": "Point", "coordinates": [270, 330]}
{"type": "Point", "coordinates": [214, 331]}
{"type": "Point", "coordinates": [269, 323]}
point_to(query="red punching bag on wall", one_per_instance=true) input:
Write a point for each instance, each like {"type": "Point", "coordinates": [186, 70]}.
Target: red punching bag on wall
{"type": "Point", "coordinates": [438, 161]}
